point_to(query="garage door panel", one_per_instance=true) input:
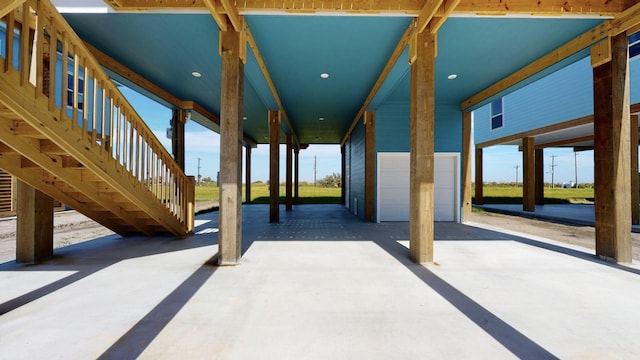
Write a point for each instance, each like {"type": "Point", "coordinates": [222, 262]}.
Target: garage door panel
{"type": "Point", "coordinates": [393, 183]}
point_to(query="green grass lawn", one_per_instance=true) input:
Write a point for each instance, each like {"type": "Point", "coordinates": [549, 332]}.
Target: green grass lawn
{"type": "Point", "coordinates": [260, 194]}
{"type": "Point", "coordinates": [513, 195]}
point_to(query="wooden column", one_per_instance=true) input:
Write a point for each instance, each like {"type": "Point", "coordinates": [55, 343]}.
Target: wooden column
{"type": "Point", "coordinates": [289, 174]}
{"type": "Point", "coordinates": [232, 92]}
{"type": "Point", "coordinates": [369, 165]}
{"type": "Point", "coordinates": [422, 150]}
{"type": "Point", "coordinates": [34, 232]}
{"type": "Point", "coordinates": [274, 166]}
{"type": "Point", "coordinates": [528, 174]}
{"type": "Point", "coordinates": [611, 154]}
{"type": "Point", "coordinates": [178, 120]}
{"type": "Point", "coordinates": [247, 174]}
{"type": "Point", "coordinates": [466, 165]}
{"type": "Point", "coordinates": [539, 180]}
{"type": "Point", "coordinates": [635, 181]}
{"type": "Point", "coordinates": [479, 200]}
{"type": "Point", "coordinates": [296, 175]}
{"type": "Point", "coordinates": [343, 174]}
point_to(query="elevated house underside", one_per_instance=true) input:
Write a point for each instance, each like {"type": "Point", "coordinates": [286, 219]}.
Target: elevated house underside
{"type": "Point", "coordinates": [376, 77]}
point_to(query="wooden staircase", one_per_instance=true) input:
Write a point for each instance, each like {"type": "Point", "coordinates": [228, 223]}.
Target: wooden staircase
{"type": "Point", "coordinates": [66, 130]}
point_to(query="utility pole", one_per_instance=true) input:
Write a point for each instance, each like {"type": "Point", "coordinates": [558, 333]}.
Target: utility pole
{"type": "Point", "coordinates": [575, 164]}
{"type": "Point", "coordinates": [517, 167]}
{"type": "Point", "coordinates": [315, 170]}
{"type": "Point", "coordinates": [553, 167]}
{"type": "Point", "coordinates": [199, 176]}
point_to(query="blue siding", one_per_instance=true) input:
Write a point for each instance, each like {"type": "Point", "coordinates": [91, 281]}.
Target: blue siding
{"type": "Point", "coordinates": [634, 74]}
{"type": "Point", "coordinates": [392, 128]}
{"type": "Point", "coordinates": [357, 168]}
{"type": "Point", "coordinates": [564, 95]}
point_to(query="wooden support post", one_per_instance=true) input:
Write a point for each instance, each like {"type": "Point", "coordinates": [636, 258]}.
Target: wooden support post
{"type": "Point", "coordinates": [611, 154]}
{"type": "Point", "coordinates": [479, 199]}
{"type": "Point", "coordinates": [539, 176]}
{"type": "Point", "coordinates": [247, 173]}
{"type": "Point", "coordinates": [274, 166]}
{"type": "Point", "coordinates": [635, 181]}
{"type": "Point", "coordinates": [466, 165]}
{"type": "Point", "coordinates": [289, 174]}
{"type": "Point", "coordinates": [178, 120]}
{"type": "Point", "coordinates": [343, 174]}
{"type": "Point", "coordinates": [232, 92]}
{"type": "Point", "coordinates": [369, 165]}
{"type": "Point", "coordinates": [34, 232]}
{"type": "Point", "coordinates": [296, 176]}
{"type": "Point", "coordinates": [422, 150]}
{"type": "Point", "coordinates": [528, 174]}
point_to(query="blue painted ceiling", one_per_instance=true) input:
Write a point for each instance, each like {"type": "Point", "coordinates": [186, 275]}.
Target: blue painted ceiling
{"type": "Point", "coordinates": [166, 48]}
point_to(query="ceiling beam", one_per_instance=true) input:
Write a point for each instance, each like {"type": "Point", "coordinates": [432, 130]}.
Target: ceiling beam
{"type": "Point", "coordinates": [544, 8]}
{"type": "Point", "coordinates": [593, 36]}
{"type": "Point", "coordinates": [426, 14]}
{"type": "Point", "coordinates": [398, 7]}
{"type": "Point", "coordinates": [404, 41]}
{"type": "Point", "coordinates": [9, 6]}
{"type": "Point", "coordinates": [446, 9]}
{"type": "Point", "coordinates": [629, 19]}
{"type": "Point", "coordinates": [267, 77]}
{"type": "Point", "coordinates": [565, 142]}
{"type": "Point", "coordinates": [219, 18]}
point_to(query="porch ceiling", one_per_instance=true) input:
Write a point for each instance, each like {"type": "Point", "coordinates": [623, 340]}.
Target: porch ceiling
{"type": "Point", "coordinates": [166, 48]}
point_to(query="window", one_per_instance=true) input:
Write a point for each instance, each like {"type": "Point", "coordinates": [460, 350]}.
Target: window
{"type": "Point", "coordinates": [634, 45]}
{"type": "Point", "coordinates": [70, 91]}
{"type": "Point", "coordinates": [497, 120]}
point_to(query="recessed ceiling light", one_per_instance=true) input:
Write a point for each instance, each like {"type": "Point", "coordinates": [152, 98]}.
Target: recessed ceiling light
{"type": "Point", "coordinates": [244, 118]}
{"type": "Point", "coordinates": [196, 74]}
{"type": "Point", "coordinates": [324, 75]}
{"type": "Point", "coordinates": [452, 76]}
{"type": "Point", "coordinates": [321, 118]}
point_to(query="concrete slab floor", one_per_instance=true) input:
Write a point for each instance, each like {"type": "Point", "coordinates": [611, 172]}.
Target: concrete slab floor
{"type": "Point", "coordinates": [320, 284]}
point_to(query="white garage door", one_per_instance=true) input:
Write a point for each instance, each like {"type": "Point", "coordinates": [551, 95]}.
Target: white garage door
{"type": "Point", "coordinates": [393, 186]}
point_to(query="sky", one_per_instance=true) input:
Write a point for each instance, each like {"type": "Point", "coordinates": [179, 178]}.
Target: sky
{"type": "Point", "coordinates": [501, 163]}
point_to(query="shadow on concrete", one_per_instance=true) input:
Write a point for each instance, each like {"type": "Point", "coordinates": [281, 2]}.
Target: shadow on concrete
{"type": "Point", "coordinates": [512, 339]}
{"type": "Point", "coordinates": [90, 257]}
{"type": "Point", "coordinates": [137, 339]}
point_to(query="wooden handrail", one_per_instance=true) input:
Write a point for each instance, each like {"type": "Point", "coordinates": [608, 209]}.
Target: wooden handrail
{"type": "Point", "coordinates": [52, 59]}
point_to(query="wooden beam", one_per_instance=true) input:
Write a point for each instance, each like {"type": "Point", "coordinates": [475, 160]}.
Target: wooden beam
{"type": "Point", "coordinates": [467, 157]}
{"type": "Point", "coordinates": [479, 198]}
{"type": "Point", "coordinates": [231, 101]}
{"type": "Point", "coordinates": [233, 15]}
{"type": "Point", "coordinates": [630, 18]}
{"type": "Point", "coordinates": [267, 76]}
{"type": "Point", "coordinates": [426, 14]}
{"type": "Point", "coordinates": [289, 174]}
{"type": "Point", "coordinates": [543, 8]}
{"type": "Point", "coordinates": [581, 42]}
{"type": "Point", "coordinates": [9, 6]}
{"type": "Point", "coordinates": [34, 229]}
{"type": "Point", "coordinates": [528, 174]}
{"type": "Point", "coordinates": [612, 173]}
{"type": "Point", "coordinates": [447, 8]}
{"type": "Point", "coordinates": [274, 166]}
{"type": "Point", "coordinates": [247, 174]}
{"type": "Point", "coordinates": [564, 142]}
{"type": "Point", "coordinates": [404, 41]}
{"type": "Point", "coordinates": [296, 176]}
{"type": "Point", "coordinates": [218, 17]}
{"type": "Point", "coordinates": [539, 176]}
{"type": "Point", "coordinates": [543, 130]}
{"type": "Point", "coordinates": [369, 165]}
{"type": "Point", "coordinates": [421, 181]}
{"type": "Point", "coordinates": [635, 179]}
{"type": "Point", "coordinates": [397, 7]}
